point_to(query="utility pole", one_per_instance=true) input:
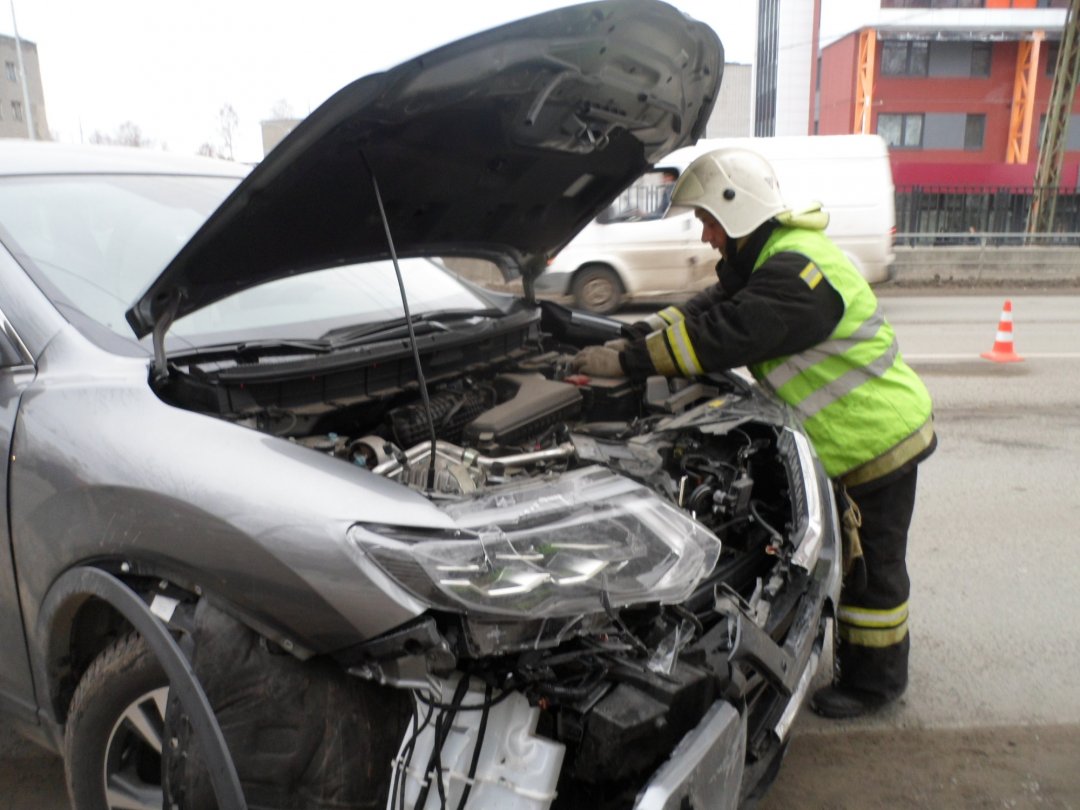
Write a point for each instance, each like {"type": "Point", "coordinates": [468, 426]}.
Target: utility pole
{"type": "Point", "coordinates": [1052, 146]}
{"type": "Point", "coordinates": [22, 73]}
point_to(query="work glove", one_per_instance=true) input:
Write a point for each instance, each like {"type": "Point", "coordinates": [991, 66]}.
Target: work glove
{"type": "Point", "coordinates": [618, 344]}
{"type": "Point", "coordinates": [598, 361]}
{"type": "Point", "coordinates": [854, 563]}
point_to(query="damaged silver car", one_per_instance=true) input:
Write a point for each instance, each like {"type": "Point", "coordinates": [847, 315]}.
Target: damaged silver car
{"type": "Point", "coordinates": [296, 517]}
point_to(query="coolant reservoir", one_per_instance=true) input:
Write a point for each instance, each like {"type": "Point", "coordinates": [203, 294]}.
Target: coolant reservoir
{"type": "Point", "coordinates": [516, 770]}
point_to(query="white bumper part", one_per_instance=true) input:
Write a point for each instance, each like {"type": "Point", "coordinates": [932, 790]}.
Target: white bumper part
{"type": "Point", "coordinates": [517, 770]}
{"type": "Point", "coordinates": [705, 769]}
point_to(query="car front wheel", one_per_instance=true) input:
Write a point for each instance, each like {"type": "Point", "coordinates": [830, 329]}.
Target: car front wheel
{"type": "Point", "coordinates": [113, 739]}
{"type": "Point", "coordinates": [597, 289]}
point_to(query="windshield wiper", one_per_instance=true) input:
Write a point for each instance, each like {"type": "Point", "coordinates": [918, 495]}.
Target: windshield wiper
{"type": "Point", "coordinates": [257, 348]}
{"type": "Point", "coordinates": [353, 335]}
{"type": "Point", "coordinates": [342, 337]}
{"type": "Point", "coordinates": [318, 346]}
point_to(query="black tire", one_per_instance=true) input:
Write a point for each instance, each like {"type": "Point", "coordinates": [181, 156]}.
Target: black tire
{"type": "Point", "coordinates": [597, 288]}
{"type": "Point", "coordinates": [112, 742]}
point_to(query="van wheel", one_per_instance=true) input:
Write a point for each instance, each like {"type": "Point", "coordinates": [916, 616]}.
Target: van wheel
{"type": "Point", "coordinates": [597, 288]}
{"type": "Point", "coordinates": [112, 744]}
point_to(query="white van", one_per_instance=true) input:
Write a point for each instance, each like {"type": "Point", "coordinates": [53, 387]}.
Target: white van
{"type": "Point", "coordinates": [631, 253]}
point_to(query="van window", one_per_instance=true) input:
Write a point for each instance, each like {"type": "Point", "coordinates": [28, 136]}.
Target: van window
{"type": "Point", "coordinates": [647, 198]}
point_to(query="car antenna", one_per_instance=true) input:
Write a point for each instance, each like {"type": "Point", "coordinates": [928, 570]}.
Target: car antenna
{"type": "Point", "coordinates": [408, 323]}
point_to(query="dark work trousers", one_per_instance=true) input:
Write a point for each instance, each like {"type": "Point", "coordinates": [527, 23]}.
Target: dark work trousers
{"type": "Point", "coordinates": [872, 624]}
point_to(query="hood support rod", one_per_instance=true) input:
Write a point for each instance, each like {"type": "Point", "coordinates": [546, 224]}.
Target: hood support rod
{"type": "Point", "coordinates": [408, 322]}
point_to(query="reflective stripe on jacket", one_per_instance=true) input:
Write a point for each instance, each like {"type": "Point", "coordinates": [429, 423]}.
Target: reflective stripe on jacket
{"type": "Point", "coordinates": [872, 628]}
{"type": "Point", "coordinates": [865, 410]}
{"type": "Point", "coordinates": [664, 318]}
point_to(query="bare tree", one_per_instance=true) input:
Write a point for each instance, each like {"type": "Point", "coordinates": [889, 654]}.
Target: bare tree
{"type": "Point", "coordinates": [209, 150]}
{"type": "Point", "coordinates": [282, 110]}
{"type": "Point", "coordinates": [127, 134]}
{"type": "Point", "coordinates": [229, 120]}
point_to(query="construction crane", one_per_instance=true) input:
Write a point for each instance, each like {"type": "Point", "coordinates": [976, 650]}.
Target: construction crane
{"type": "Point", "coordinates": [1052, 146]}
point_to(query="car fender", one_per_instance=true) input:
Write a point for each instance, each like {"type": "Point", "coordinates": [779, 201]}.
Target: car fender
{"type": "Point", "coordinates": [259, 520]}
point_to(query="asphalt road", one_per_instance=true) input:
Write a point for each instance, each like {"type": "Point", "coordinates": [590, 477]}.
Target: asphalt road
{"type": "Point", "coordinates": [992, 715]}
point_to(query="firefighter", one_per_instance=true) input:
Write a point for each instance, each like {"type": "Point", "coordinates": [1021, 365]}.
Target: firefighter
{"type": "Point", "coordinates": [792, 308]}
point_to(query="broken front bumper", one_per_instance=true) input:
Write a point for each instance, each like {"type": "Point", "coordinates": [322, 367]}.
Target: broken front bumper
{"type": "Point", "coordinates": [707, 768]}
{"type": "Point", "coordinates": [516, 767]}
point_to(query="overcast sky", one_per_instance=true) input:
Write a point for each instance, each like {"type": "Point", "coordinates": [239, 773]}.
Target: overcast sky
{"type": "Point", "coordinates": [169, 66]}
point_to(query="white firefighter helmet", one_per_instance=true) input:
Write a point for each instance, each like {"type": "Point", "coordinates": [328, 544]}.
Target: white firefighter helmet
{"type": "Point", "coordinates": [737, 186]}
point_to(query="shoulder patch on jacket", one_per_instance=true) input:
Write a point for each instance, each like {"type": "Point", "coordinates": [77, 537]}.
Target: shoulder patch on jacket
{"type": "Point", "coordinates": [811, 275]}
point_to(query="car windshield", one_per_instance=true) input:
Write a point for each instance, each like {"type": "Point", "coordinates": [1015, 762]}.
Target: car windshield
{"type": "Point", "coordinates": [310, 304]}
{"type": "Point", "coordinates": [97, 241]}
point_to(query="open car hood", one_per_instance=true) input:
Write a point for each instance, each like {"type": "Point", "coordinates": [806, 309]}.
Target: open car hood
{"type": "Point", "coordinates": [501, 145]}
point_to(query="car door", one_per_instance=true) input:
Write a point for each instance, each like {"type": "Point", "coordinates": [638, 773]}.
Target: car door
{"type": "Point", "coordinates": [17, 371]}
{"type": "Point", "coordinates": [25, 326]}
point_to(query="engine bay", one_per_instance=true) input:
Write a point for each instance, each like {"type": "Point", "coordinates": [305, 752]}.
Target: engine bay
{"type": "Point", "coordinates": [617, 687]}
{"type": "Point", "coordinates": [502, 407]}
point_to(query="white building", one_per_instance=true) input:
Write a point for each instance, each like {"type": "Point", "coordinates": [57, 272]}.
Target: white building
{"type": "Point", "coordinates": [732, 116]}
{"type": "Point", "coordinates": [785, 67]}
{"type": "Point", "coordinates": [13, 113]}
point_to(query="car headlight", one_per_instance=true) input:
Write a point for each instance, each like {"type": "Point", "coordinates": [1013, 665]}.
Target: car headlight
{"type": "Point", "coordinates": [808, 533]}
{"type": "Point", "coordinates": [557, 547]}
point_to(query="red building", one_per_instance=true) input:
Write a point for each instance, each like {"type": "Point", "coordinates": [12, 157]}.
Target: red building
{"type": "Point", "coordinates": [960, 94]}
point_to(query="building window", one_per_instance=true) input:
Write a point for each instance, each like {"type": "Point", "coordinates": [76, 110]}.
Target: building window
{"type": "Point", "coordinates": [899, 58]}
{"type": "Point", "coordinates": [945, 131]}
{"type": "Point", "coordinates": [921, 58]}
{"type": "Point", "coordinates": [933, 3]}
{"type": "Point", "coordinates": [974, 130]}
{"type": "Point", "coordinates": [959, 59]}
{"type": "Point", "coordinates": [933, 131]}
{"type": "Point", "coordinates": [901, 130]}
{"type": "Point", "coordinates": [980, 59]}
{"type": "Point", "coordinates": [16, 110]}
{"type": "Point", "coordinates": [9, 67]}
{"type": "Point", "coordinates": [1072, 135]}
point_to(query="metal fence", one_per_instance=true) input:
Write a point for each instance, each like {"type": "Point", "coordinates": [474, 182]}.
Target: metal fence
{"type": "Point", "coordinates": [952, 213]}
{"type": "Point", "coordinates": [983, 239]}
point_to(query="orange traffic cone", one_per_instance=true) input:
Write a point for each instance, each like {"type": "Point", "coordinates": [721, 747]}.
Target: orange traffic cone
{"type": "Point", "coordinates": [1003, 341]}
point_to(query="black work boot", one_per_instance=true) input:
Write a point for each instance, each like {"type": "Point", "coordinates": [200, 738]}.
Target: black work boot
{"type": "Point", "coordinates": [840, 702]}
